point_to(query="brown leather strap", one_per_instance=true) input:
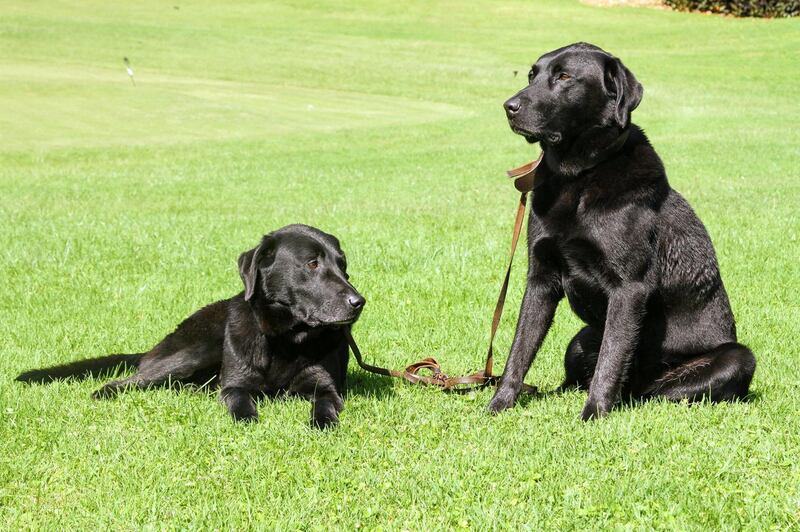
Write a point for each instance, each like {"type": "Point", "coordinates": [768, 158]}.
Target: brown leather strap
{"type": "Point", "coordinates": [501, 299]}
{"type": "Point", "coordinates": [523, 181]}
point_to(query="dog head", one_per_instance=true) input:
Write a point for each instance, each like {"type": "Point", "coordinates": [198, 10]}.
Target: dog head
{"type": "Point", "coordinates": [571, 90]}
{"type": "Point", "coordinates": [296, 282]}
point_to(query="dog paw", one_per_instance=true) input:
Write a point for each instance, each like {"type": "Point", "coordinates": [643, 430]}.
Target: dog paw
{"type": "Point", "coordinates": [240, 404]}
{"type": "Point", "coordinates": [594, 410]}
{"type": "Point", "coordinates": [244, 417]}
{"type": "Point", "coordinates": [242, 409]}
{"type": "Point", "coordinates": [503, 400]}
{"type": "Point", "coordinates": [324, 422]}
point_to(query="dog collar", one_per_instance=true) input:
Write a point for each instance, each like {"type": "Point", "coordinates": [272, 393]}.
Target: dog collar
{"type": "Point", "coordinates": [524, 175]}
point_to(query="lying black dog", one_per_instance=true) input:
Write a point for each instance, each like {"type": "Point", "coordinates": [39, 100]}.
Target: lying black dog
{"type": "Point", "coordinates": [607, 231]}
{"type": "Point", "coordinates": [283, 334]}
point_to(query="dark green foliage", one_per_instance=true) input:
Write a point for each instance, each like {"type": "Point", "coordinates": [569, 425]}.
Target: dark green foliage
{"type": "Point", "coordinates": [740, 8]}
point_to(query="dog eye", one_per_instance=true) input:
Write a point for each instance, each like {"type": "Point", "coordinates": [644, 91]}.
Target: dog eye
{"type": "Point", "coordinates": [312, 264]}
{"type": "Point", "coordinates": [564, 76]}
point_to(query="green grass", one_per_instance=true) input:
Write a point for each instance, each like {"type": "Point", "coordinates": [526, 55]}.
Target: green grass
{"type": "Point", "coordinates": [124, 208]}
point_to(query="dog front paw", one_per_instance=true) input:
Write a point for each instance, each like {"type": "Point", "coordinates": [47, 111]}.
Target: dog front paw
{"type": "Point", "coordinates": [503, 400]}
{"type": "Point", "coordinates": [241, 405]}
{"type": "Point", "coordinates": [325, 414]}
{"type": "Point", "coordinates": [244, 416]}
{"type": "Point", "coordinates": [594, 409]}
{"type": "Point", "coordinates": [324, 422]}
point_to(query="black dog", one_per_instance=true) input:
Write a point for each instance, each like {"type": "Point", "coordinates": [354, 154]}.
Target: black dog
{"type": "Point", "coordinates": [283, 334]}
{"type": "Point", "coordinates": [607, 231]}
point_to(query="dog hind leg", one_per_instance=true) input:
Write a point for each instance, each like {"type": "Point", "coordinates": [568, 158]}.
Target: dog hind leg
{"type": "Point", "coordinates": [722, 374]}
{"type": "Point", "coordinates": [161, 370]}
{"type": "Point", "coordinates": [581, 359]}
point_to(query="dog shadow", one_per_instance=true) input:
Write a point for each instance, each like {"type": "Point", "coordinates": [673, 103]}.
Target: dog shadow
{"type": "Point", "coordinates": [525, 399]}
{"type": "Point", "coordinates": [754, 396]}
{"type": "Point", "coordinates": [369, 385]}
{"type": "Point", "coordinates": [358, 383]}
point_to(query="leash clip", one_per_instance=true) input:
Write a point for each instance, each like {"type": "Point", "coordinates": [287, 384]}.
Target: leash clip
{"type": "Point", "coordinates": [439, 378]}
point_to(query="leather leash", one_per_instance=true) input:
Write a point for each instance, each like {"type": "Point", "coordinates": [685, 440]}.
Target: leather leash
{"type": "Point", "coordinates": [523, 182]}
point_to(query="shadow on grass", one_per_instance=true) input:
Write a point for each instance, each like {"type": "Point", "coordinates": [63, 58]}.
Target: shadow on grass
{"type": "Point", "coordinates": [634, 402]}
{"type": "Point", "coordinates": [753, 397]}
{"type": "Point", "coordinates": [369, 385]}
{"type": "Point", "coordinates": [524, 400]}
{"type": "Point", "coordinates": [207, 383]}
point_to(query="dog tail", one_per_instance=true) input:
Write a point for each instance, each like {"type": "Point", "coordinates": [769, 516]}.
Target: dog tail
{"type": "Point", "coordinates": [82, 369]}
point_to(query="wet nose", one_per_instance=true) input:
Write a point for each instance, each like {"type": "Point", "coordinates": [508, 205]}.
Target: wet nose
{"type": "Point", "coordinates": [356, 301]}
{"type": "Point", "coordinates": [512, 107]}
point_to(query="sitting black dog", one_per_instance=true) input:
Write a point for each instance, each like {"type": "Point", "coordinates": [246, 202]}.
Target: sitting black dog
{"type": "Point", "coordinates": [632, 258]}
{"type": "Point", "coordinates": [283, 334]}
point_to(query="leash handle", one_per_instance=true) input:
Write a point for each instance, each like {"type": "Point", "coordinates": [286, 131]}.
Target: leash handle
{"type": "Point", "coordinates": [412, 372]}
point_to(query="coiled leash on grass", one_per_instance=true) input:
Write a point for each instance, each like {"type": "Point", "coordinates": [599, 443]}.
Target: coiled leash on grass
{"type": "Point", "coordinates": [523, 182]}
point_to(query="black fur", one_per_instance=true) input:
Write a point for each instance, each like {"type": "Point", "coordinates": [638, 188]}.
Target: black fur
{"type": "Point", "coordinates": [632, 258]}
{"type": "Point", "coordinates": [283, 334]}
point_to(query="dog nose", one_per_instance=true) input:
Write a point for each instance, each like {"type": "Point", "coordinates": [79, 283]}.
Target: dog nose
{"type": "Point", "coordinates": [356, 301]}
{"type": "Point", "coordinates": [512, 106]}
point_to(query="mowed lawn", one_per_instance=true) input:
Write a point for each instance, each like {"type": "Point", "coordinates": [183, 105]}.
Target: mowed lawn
{"type": "Point", "coordinates": [123, 209]}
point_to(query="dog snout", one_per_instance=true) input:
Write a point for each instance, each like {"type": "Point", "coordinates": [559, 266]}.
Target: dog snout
{"type": "Point", "coordinates": [512, 107]}
{"type": "Point", "coordinates": [356, 301]}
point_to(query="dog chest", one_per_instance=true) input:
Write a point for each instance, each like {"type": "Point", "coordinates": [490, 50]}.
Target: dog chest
{"type": "Point", "coordinates": [564, 241]}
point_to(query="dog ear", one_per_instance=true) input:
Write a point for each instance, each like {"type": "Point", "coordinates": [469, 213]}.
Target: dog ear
{"type": "Point", "coordinates": [627, 91]}
{"type": "Point", "coordinates": [248, 270]}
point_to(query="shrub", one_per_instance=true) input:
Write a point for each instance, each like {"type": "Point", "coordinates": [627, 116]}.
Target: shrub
{"type": "Point", "coordinates": [740, 8]}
